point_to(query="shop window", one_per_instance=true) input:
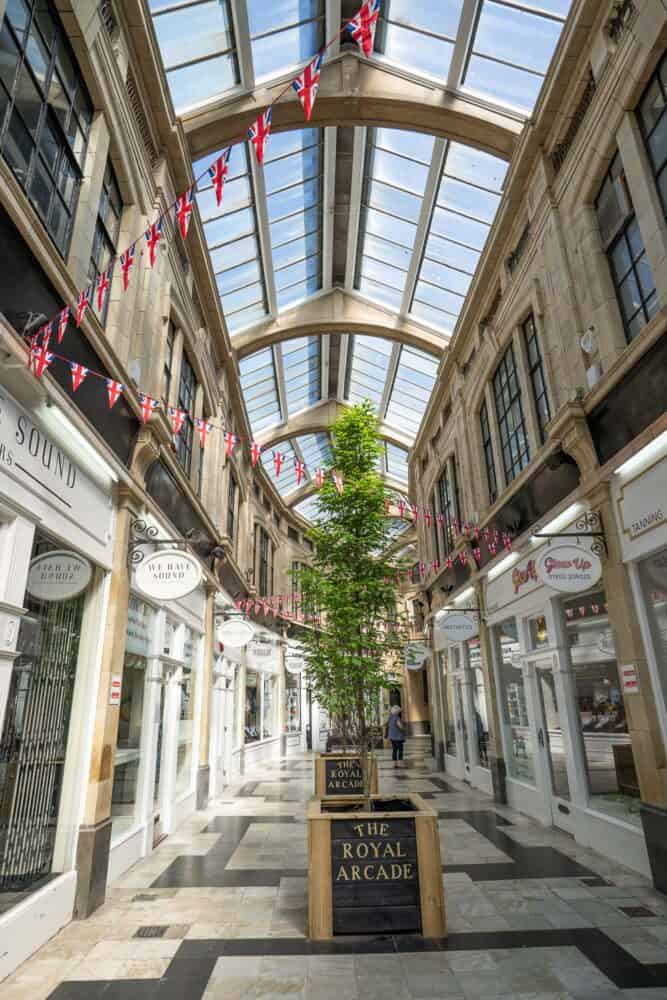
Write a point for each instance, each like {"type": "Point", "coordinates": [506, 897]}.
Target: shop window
{"type": "Point", "coordinates": [536, 373]}
{"type": "Point", "coordinates": [187, 389]}
{"type": "Point", "coordinates": [168, 369]}
{"type": "Point", "coordinates": [652, 115]}
{"type": "Point", "coordinates": [509, 413]}
{"type": "Point", "coordinates": [186, 716]}
{"type": "Point", "coordinates": [292, 702]}
{"type": "Point", "coordinates": [107, 228]}
{"type": "Point", "coordinates": [252, 721]}
{"type": "Point", "coordinates": [436, 533]}
{"type": "Point", "coordinates": [34, 735]}
{"type": "Point", "coordinates": [653, 575]}
{"type": "Point", "coordinates": [514, 708]}
{"type": "Point", "coordinates": [624, 247]}
{"type": "Point", "coordinates": [612, 779]}
{"type": "Point", "coordinates": [448, 497]}
{"type": "Point", "coordinates": [450, 658]}
{"type": "Point", "coordinates": [264, 563]}
{"type": "Point", "coordinates": [45, 113]}
{"type": "Point", "coordinates": [268, 706]}
{"type": "Point", "coordinates": [489, 460]}
{"type": "Point", "coordinates": [479, 702]}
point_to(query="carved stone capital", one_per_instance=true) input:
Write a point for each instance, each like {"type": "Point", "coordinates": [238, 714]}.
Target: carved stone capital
{"type": "Point", "coordinates": [570, 428]}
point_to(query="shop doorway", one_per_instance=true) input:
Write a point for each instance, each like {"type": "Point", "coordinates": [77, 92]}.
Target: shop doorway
{"type": "Point", "coordinates": [462, 726]}
{"type": "Point", "coordinates": [551, 746]}
{"type": "Point", "coordinates": [159, 782]}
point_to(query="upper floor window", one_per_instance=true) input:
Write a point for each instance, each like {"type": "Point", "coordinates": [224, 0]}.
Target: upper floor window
{"type": "Point", "coordinates": [231, 505]}
{"type": "Point", "coordinates": [168, 369]}
{"type": "Point", "coordinates": [509, 413]}
{"type": "Point", "coordinates": [45, 113]}
{"type": "Point", "coordinates": [435, 531]}
{"type": "Point", "coordinates": [622, 242]}
{"type": "Point", "coordinates": [107, 228]}
{"type": "Point", "coordinates": [487, 446]}
{"type": "Point", "coordinates": [187, 389]}
{"type": "Point", "coordinates": [264, 563]}
{"type": "Point", "coordinates": [652, 113]}
{"type": "Point", "coordinates": [448, 497]}
{"type": "Point", "coordinates": [536, 372]}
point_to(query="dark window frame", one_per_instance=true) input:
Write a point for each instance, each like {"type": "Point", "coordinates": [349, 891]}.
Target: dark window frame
{"type": "Point", "coordinates": [650, 130]}
{"type": "Point", "coordinates": [232, 490]}
{"type": "Point", "coordinates": [487, 448]}
{"type": "Point", "coordinates": [448, 498]}
{"type": "Point", "coordinates": [537, 374]}
{"type": "Point", "coordinates": [168, 368]}
{"type": "Point", "coordinates": [105, 241]}
{"type": "Point", "coordinates": [510, 416]}
{"type": "Point", "coordinates": [187, 393]}
{"type": "Point", "coordinates": [435, 528]}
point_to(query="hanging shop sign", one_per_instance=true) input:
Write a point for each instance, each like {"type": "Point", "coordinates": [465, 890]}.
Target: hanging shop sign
{"type": "Point", "coordinates": [168, 575]}
{"type": "Point", "coordinates": [58, 576]}
{"type": "Point", "coordinates": [415, 654]}
{"type": "Point", "coordinates": [456, 625]}
{"type": "Point", "coordinates": [642, 502]}
{"type": "Point", "coordinates": [235, 632]}
{"type": "Point", "coordinates": [570, 569]}
{"type": "Point", "coordinates": [264, 656]}
{"type": "Point", "coordinates": [295, 660]}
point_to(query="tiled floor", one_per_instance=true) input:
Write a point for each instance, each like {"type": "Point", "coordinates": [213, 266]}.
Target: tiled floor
{"type": "Point", "coordinates": [219, 910]}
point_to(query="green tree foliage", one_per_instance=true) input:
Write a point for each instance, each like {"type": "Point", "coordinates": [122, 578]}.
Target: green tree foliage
{"type": "Point", "coordinates": [350, 587]}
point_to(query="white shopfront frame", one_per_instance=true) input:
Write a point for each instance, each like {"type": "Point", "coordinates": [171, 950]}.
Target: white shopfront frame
{"type": "Point", "coordinates": [522, 601]}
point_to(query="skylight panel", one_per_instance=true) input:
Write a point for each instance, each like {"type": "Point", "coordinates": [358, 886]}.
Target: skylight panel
{"type": "Point", "coordinates": [284, 34]}
{"type": "Point", "coordinates": [410, 393]}
{"type": "Point", "coordinates": [394, 526]}
{"type": "Point", "coordinates": [397, 462]}
{"type": "Point", "coordinates": [395, 174]}
{"type": "Point", "coordinates": [309, 508]}
{"type": "Point", "coordinates": [260, 389]}
{"type": "Point", "coordinates": [231, 236]}
{"type": "Point", "coordinates": [512, 48]}
{"type": "Point", "coordinates": [466, 205]}
{"type": "Point", "coordinates": [293, 177]}
{"type": "Point", "coordinates": [419, 36]}
{"type": "Point", "coordinates": [367, 367]}
{"type": "Point", "coordinates": [196, 41]}
{"type": "Point", "coordinates": [286, 482]}
{"type": "Point", "coordinates": [301, 369]}
{"type": "Point", "coordinates": [316, 451]}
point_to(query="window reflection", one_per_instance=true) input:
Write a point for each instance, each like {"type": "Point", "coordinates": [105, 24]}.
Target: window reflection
{"type": "Point", "coordinates": [518, 738]}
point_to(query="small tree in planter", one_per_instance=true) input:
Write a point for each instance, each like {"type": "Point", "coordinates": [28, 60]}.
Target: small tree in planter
{"type": "Point", "coordinates": [349, 586]}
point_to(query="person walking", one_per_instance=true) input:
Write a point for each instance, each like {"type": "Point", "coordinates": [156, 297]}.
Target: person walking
{"type": "Point", "coordinates": [396, 734]}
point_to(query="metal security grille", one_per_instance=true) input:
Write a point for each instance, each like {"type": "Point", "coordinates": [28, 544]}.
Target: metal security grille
{"type": "Point", "coordinates": [34, 739]}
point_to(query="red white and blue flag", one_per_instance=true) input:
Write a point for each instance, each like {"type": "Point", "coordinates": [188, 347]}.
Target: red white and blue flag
{"type": "Point", "coordinates": [278, 459]}
{"type": "Point", "coordinates": [148, 406]}
{"type": "Point", "coordinates": [258, 133]}
{"type": "Point", "coordinates": [338, 482]}
{"type": "Point", "coordinates": [218, 172]}
{"type": "Point", "coordinates": [126, 265]}
{"type": "Point", "coordinates": [306, 85]}
{"type": "Point", "coordinates": [205, 428]}
{"type": "Point", "coordinates": [78, 374]}
{"type": "Point", "coordinates": [177, 418]}
{"type": "Point", "coordinates": [82, 304]}
{"type": "Point", "coordinates": [184, 207]}
{"type": "Point", "coordinates": [102, 287]}
{"type": "Point", "coordinates": [63, 320]}
{"type": "Point", "coordinates": [153, 237]}
{"type": "Point", "coordinates": [230, 440]}
{"type": "Point", "coordinates": [40, 359]}
{"type": "Point", "coordinates": [300, 468]}
{"type": "Point", "coordinates": [255, 452]}
{"type": "Point", "coordinates": [46, 332]}
{"type": "Point", "coordinates": [362, 26]}
{"type": "Point", "coordinates": [114, 389]}
{"type": "Point", "coordinates": [319, 478]}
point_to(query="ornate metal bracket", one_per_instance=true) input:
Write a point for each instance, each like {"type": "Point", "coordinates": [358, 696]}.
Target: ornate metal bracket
{"type": "Point", "coordinates": [141, 534]}
{"type": "Point", "coordinates": [588, 525]}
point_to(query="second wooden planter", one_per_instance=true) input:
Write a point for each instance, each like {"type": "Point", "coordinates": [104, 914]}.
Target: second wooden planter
{"type": "Point", "coordinates": [339, 775]}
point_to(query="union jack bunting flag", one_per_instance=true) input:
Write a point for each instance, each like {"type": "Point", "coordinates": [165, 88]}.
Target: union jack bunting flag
{"type": "Point", "coordinates": [477, 552]}
{"type": "Point", "coordinates": [102, 287]}
{"type": "Point", "coordinates": [148, 405]}
{"type": "Point", "coordinates": [422, 570]}
{"type": "Point", "coordinates": [319, 478]}
{"type": "Point", "coordinates": [46, 332]}
{"type": "Point", "coordinates": [306, 85]}
{"type": "Point", "coordinates": [230, 440]}
{"type": "Point", "coordinates": [415, 513]}
{"type": "Point", "coordinates": [435, 565]}
{"type": "Point", "coordinates": [401, 507]}
{"type": "Point", "coordinates": [126, 265]}
{"type": "Point", "coordinates": [255, 452]}
{"type": "Point", "coordinates": [300, 470]}
{"type": "Point", "coordinates": [463, 558]}
{"type": "Point", "coordinates": [114, 389]}
{"type": "Point", "coordinates": [40, 359]}
{"type": "Point", "coordinates": [427, 518]}
{"type": "Point", "coordinates": [153, 237]}
{"type": "Point", "coordinates": [493, 548]}
{"type": "Point", "coordinates": [338, 482]}
{"type": "Point", "coordinates": [278, 459]}
{"type": "Point", "coordinates": [258, 133]}
{"type": "Point", "coordinates": [362, 26]}
{"type": "Point", "coordinates": [205, 428]}
{"type": "Point", "coordinates": [177, 418]}
{"type": "Point", "coordinates": [78, 374]}
{"type": "Point", "coordinates": [218, 172]}
{"type": "Point", "coordinates": [63, 320]}
{"type": "Point", "coordinates": [441, 519]}
{"type": "Point", "coordinates": [184, 207]}
{"type": "Point", "coordinates": [82, 304]}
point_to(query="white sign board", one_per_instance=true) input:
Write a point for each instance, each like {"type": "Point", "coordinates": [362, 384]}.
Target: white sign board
{"type": "Point", "coordinates": [644, 501]}
{"type": "Point", "coordinates": [295, 660]}
{"type": "Point", "coordinates": [168, 575]}
{"type": "Point", "coordinates": [629, 679]}
{"type": "Point", "coordinates": [456, 625]}
{"type": "Point", "coordinates": [58, 576]}
{"type": "Point", "coordinates": [415, 655]}
{"type": "Point", "coordinates": [235, 632]}
{"type": "Point", "coordinates": [115, 689]}
{"type": "Point", "coordinates": [570, 569]}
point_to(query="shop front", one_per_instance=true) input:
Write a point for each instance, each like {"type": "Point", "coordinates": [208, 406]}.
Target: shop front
{"type": "Point", "coordinates": [296, 699]}
{"type": "Point", "coordinates": [56, 533]}
{"type": "Point", "coordinates": [160, 694]}
{"type": "Point", "coordinates": [566, 744]}
{"type": "Point", "coordinates": [258, 698]}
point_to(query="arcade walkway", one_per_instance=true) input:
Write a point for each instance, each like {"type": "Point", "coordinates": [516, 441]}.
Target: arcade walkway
{"type": "Point", "coordinates": [218, 911]}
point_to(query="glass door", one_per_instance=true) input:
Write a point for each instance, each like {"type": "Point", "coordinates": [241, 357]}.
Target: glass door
{"type": "Point", "coordinates": [552, 745]}
{"type": "Point", "coordinates": [158, 833]}
{"type": "Point", "coordinates": [461, 724]}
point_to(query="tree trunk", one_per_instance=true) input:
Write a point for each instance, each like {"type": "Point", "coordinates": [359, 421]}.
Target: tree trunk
{"type": "Point", "coordinates": [363, 750]}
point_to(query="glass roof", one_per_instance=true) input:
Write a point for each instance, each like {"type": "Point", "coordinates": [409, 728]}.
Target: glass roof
{"type": "Point", "coordinates": [309, 507]}
{"type": "Point", "coordinates": [411, 390]}
{"type": "Point", "coordinates": [396, 462]}
{"type": "Point", "coordinates": [284, 34]}
{"type": "Point", "coordinates": [290, 371]}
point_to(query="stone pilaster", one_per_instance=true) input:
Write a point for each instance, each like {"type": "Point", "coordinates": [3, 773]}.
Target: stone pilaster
{"type": "Point", "coordinates": [495, 748]}
{"type": "Point", "coordinates": [203, 770]}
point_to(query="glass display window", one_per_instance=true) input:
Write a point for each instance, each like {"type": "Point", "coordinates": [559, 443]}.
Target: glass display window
{"type": "Point", "coordinates": [481, 720]}
{"type": "Point", "coordinates": [186, 717]}
{"type": "Point", "coordinates": [129, 744]}
{"type": "Point", "coordinates": [268, 706]}
{"type": "Point", "coordinates": [653, 577]}
{"type": "Point", "coordinates": [514, 708]}
{"type": "Point", "coordinates": [252, 718]}
{"type": "Point", "coordinates": [447, 661]}
{"type": "Point", "coordinates": [292, 702]}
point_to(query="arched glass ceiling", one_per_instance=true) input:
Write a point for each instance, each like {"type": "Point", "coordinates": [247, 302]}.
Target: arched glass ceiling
{"type": "Point", "coordinates": [279, 381]}
{"type": "Point", "coordinates": [499, 49]}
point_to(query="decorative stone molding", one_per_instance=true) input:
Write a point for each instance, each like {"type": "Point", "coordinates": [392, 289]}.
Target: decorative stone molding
{"type": "Point", "coordinates": [570, 428]}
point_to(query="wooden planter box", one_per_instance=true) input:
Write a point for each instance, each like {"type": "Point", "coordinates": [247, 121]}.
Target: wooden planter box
{"type": "Point", "coordinates": [338, 775]}
{"type": "Point", "coordinates": [374, 872]}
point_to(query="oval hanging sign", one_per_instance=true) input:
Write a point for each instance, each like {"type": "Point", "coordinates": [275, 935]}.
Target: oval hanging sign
{"type": "Point", "coordinates": [168, 575]}
{"type": "Point", "coordinates": [415, 655]}
{"type": "Point", "coordinates": [570, 569]}
{"type": "Point", "coordinates": [57, 576]}
{"type": "Point", "coordinates": [457, 626]}
{"type": "Point", "coordinates": [235, 632]}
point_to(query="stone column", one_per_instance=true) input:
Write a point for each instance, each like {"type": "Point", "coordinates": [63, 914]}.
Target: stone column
{"type": "Point", "coordinates": [16, 539]}
{"type": "Point", "coordinates": [204, 769]}
{"type": "Point", "coordinates": [648, 747]}
{"type": "Point", "coordinates": [92, 858]}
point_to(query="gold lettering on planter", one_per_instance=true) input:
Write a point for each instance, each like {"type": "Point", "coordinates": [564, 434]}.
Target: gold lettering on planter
{"type": "Point", "coordinates": [343, 776]}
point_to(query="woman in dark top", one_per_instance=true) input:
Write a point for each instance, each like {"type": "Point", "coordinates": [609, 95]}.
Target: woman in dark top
{"type": "Point", "coordinates": [396, 734]}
